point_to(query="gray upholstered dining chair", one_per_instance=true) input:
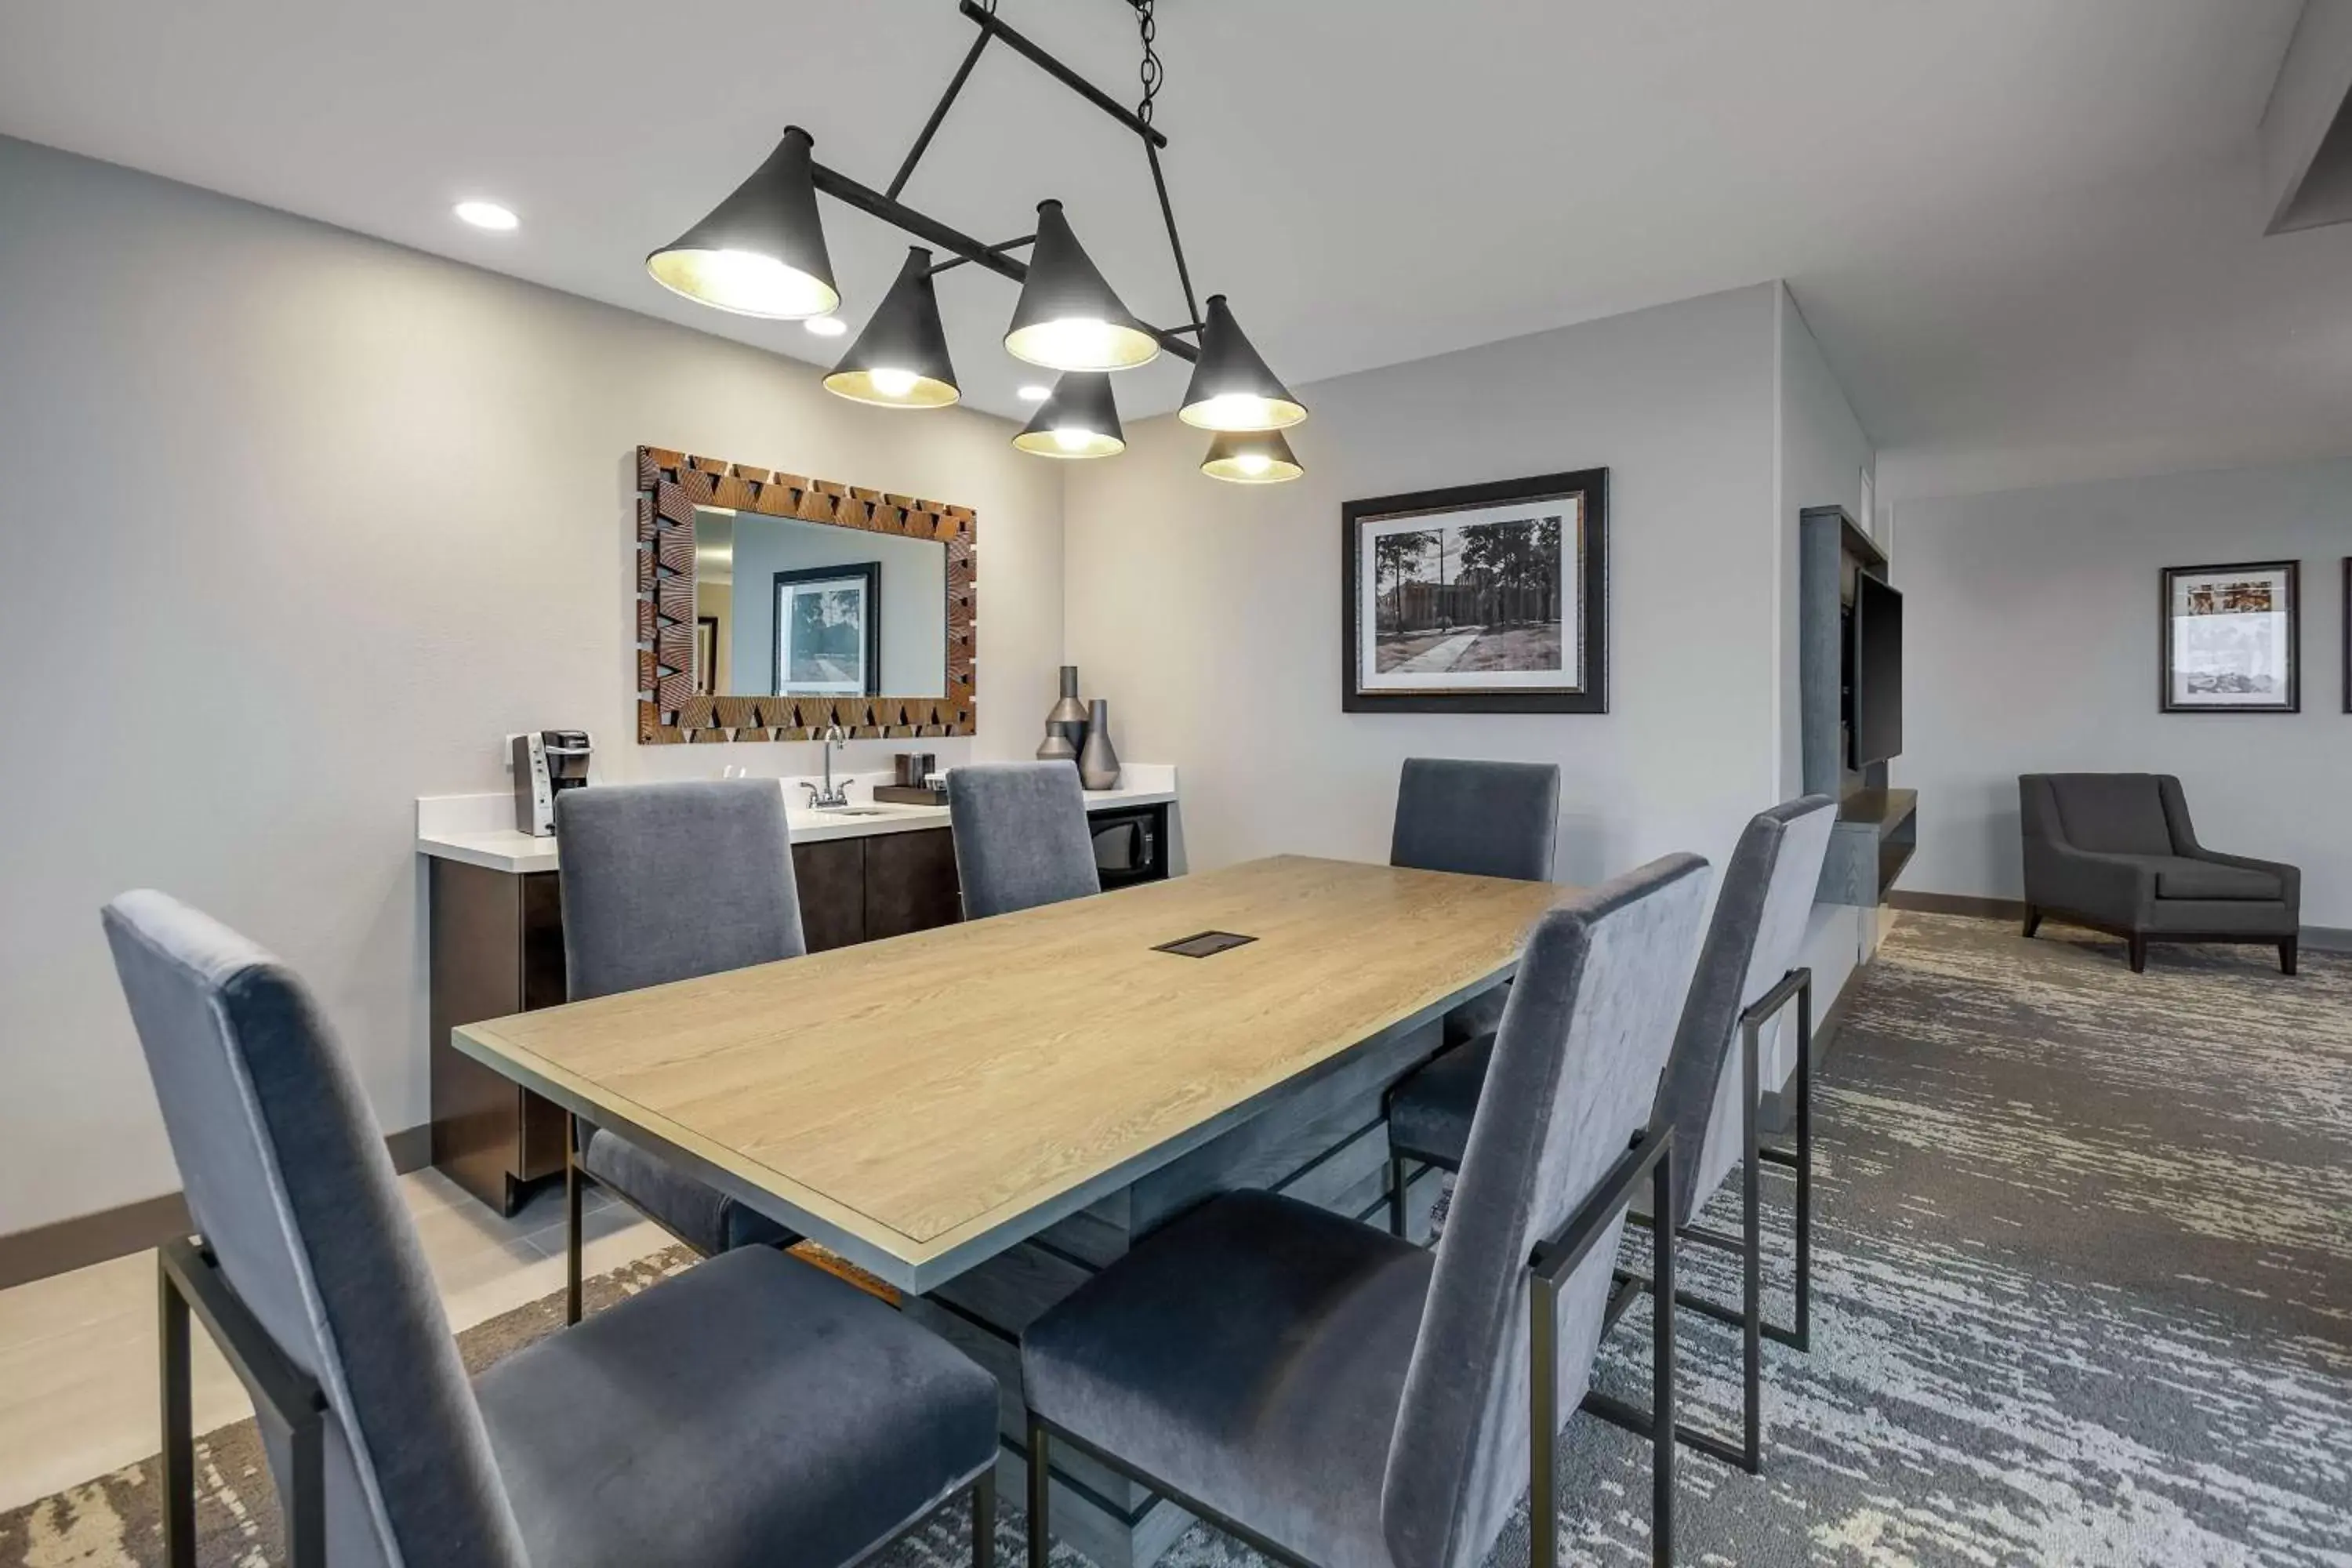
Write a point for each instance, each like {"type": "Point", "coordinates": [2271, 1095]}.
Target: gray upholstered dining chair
{"type": "Point", "coordinates": [663, 882]}
{"type": "Point", "coordinates": [1021, 837]}
{"type": "Point", "coordinates": [2117, 853]}
{"type": "Point", "coordinates": [1480, 819]}
{"type": "Point", "coordinates": [1748, 974]}
{"type": "Point", "coordinates": [1332, 1393]}
{"type": "Point", "coordinates": [752, 1410]}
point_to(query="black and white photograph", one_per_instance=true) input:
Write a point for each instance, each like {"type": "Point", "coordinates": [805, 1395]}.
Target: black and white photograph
{"type": "Point", "coordinates": [1483, 598]}
{"type": "Point", "coordinates": [2231, 638]}
{"type": "Point", "coordinates": [829, 631]}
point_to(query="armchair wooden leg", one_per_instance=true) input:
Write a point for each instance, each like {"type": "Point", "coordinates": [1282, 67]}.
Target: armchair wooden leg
{"type": "Point", "coordinates": [2287, 951]}
{"type": "Point", "coordinates": [2032, 919]}
{"type": "Point", "coordinates": [2139, 954]}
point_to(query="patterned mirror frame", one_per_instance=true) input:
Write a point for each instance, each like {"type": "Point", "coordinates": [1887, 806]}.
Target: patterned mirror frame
{"type": "Point", "coordinates": [670, 485]}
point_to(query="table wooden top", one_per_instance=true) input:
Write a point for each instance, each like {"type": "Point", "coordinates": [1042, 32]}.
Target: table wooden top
{"type": "Point", "coordinates": [922, 1102]}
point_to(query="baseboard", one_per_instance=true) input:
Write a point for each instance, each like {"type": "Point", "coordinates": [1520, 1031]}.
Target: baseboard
{"type": "Point", "coordinates": [66, 1245]}
{"type": "Point", "coordinates": [1956, 904]}
{"type": "Point", "coordinates": [2314, 939]}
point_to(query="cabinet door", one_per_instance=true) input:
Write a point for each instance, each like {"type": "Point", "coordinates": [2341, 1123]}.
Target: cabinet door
{"type": "Point", "coordinates": [831, 874]}
{"type": "Point", "coordinates": [910, 882]}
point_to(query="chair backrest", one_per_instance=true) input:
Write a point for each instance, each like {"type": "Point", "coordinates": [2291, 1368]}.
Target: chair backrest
{"type": "Point", "coordinates": [1021, 837]}
{"type": "Point", "coordinates": [2106, 814]}
{"type": "Point", "coordinates": [668, 881]}
{"type": "Point", "coordinates": [1573, 1078]}
{"type": "Point", "coordinates": [1485, 819]}
{"type": "Point", "coordinates": [288, 1179]}
{"type": "Point", "coordinates": [1754, 940]}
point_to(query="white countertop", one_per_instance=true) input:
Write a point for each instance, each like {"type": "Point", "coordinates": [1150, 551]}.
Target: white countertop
{"type": "Point", "coordinates": [479, 830]}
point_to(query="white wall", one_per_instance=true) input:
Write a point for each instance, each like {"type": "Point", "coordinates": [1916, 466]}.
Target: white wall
{"type": "Point", "coordinates": [2030, 621]}
{"type": "Point", "coordinates": [302, 524]}
{"type": "Point", "coordinates": [1209, 613]}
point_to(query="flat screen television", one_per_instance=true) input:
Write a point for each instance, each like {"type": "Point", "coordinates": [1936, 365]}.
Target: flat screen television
{"type": "Point", "coordinates": [1875, 673]}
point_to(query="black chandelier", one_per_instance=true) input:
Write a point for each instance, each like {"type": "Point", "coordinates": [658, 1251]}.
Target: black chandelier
{"type": "Point", "coordinates": [762, 252]}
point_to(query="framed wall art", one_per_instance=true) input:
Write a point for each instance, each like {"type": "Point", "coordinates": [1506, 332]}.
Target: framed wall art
{"type": "Point", "coordinates": [2231, 638]}
{"type": "Point", "coordinates": [1489, 598]}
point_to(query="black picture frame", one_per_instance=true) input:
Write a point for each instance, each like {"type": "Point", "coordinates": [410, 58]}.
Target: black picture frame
{"type": "Point", "coordinates": [1591, 486]}
{"type": "Point", "coordinates": [2292, 703]}
{"type": "Point", "coordinates": [871, 573]}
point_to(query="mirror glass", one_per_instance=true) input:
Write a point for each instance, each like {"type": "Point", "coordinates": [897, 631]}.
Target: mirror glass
{"type": "Point", "coordinates": [786, 609]}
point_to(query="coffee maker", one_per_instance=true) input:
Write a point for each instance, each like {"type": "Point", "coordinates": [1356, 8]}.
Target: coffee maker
{"type": "Point", "coordinates": [546, 763]}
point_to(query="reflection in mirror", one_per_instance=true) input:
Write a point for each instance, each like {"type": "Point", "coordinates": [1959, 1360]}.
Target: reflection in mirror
{"type": "Point", "coordinates": [784, 607]}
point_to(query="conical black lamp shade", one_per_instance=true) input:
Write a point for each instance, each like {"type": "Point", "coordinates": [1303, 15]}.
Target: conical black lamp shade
{"type": "Point", "coordinates": [762, 251]}
{"type": "Point", "coordinates": [1251, 457]}
{"type": "Point", "coordinates": [1068, 318]}
{"type": "Point", "coordinates": [1231, 388]}
{"type": "Point", "coordinates": [900, 360]}
{"type": "Point", "coordinates": [1079, 420]}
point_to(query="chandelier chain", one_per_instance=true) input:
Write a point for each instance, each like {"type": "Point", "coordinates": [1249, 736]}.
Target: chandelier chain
{"type": "Point", "coordinates": [1152, 72]}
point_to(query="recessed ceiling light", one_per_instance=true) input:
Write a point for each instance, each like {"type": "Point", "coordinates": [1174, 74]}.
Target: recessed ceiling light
{"type": "Point", "coordinates": [826, 326]}
{"type": "Point", "coordinates": [487, 214]}
{"type": "Point", "coordinates": [1034, 393]}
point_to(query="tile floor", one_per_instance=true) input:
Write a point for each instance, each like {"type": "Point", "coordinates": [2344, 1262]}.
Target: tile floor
{"type": "Point", "coordinates": [78, 1393]}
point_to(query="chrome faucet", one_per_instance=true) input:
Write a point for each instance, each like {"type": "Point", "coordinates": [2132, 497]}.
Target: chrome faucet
{"type": "Point", "coordinates": [831, 795]}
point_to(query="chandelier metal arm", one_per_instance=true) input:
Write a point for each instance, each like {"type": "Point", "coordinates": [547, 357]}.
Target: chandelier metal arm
{"type": "Point", "coordinates": [962, 247]}
{"type": "Point", "coordinates": [1175, 244]}
{"type": "Point", "coordinates": [991, 25]}
{"type": "Point", "coordinates": [931, 126]}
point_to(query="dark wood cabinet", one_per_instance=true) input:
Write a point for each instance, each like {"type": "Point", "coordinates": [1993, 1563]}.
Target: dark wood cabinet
{"type": "Point", "coordinates": [910, 883]}
{"type": "Point", "coordinates": [496, 947]}
{"type": "Point", "coordinates": [830, 875]}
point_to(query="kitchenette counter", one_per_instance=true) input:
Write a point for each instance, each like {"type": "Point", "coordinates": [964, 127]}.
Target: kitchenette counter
{"type": "Point", "coordinates": [478, 829]}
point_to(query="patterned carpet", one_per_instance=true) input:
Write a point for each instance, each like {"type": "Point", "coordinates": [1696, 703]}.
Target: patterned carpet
{"type": "Point", "coordinates": [2083, 1296]}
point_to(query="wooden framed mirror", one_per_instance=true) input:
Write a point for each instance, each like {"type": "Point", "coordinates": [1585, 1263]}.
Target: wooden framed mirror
{"type": "Point", "coordinates": [770, 606]}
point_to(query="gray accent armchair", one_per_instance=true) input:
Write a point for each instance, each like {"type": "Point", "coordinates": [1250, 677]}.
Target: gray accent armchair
{"type": "Point", "coordinates": [2117, 853]}
{"type": "Point", "coordinates": [1334, 1394]}
{"type": "Point", "coordinates": [1021, 837]}
{"type": "Point", "coordinates": [665, 882]}
{"type": "Point", "coordinates": [752, 1411]}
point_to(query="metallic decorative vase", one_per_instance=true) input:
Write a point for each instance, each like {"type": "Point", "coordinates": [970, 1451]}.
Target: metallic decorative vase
{"type": "Point", "coordinates": [1098, 764]}
{"type": "Point", "coordinates": [1058, 746]}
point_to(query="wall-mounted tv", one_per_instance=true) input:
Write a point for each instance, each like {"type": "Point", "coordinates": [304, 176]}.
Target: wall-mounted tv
{"type": "Point", "coordinates": [1873, 673]}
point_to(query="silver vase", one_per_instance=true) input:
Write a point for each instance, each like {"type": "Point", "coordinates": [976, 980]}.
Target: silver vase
{"type": "Point", "coordinates": [1066, 726]}
{"type": "Point", "coordinates": [1098, 762]}
{"type": "Point", "coordinates": [1058, 746]}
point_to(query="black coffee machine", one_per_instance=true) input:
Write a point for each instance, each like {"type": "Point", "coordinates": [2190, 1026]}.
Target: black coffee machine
{"type": "Point", "coordinates": [546, 763]}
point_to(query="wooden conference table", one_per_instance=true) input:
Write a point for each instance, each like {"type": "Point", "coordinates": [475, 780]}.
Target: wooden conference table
{"type": "Point", "coordinates": [927, 1105]}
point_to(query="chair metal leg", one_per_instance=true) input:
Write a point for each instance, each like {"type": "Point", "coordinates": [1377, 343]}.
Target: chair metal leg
{"type": "Point", "coordinates": [1041, 1496]}
{"type": "Point", "coordinates": [983, 1519]}
{"type": "Point", "coordinates": [179, 1426]}
{"type": "Point", "coordinates": [1804, 1337]}
{"type": "Point", "coordinates": [1662, 1375]}
{"type": "Point", "coordinates": [571, 1219]}
{"type": "Point", "coordinates": [1543, 1414]}
{"type": "Point", "coordinates": [1751, 1261]}
{"type": "Point", "coordinates": [1396, 1196]}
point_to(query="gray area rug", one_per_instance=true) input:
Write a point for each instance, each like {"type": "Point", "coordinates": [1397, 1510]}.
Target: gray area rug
{"type": "Point", "coordinates": [2083, 1296]}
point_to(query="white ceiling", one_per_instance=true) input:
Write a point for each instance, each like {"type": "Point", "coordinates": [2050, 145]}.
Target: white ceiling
{"type": "Point", "coordinates": [2026, 231]}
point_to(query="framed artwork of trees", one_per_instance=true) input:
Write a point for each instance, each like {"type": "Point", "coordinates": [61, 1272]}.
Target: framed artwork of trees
{"type": "Point", "coordinates": [1486, 598]}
